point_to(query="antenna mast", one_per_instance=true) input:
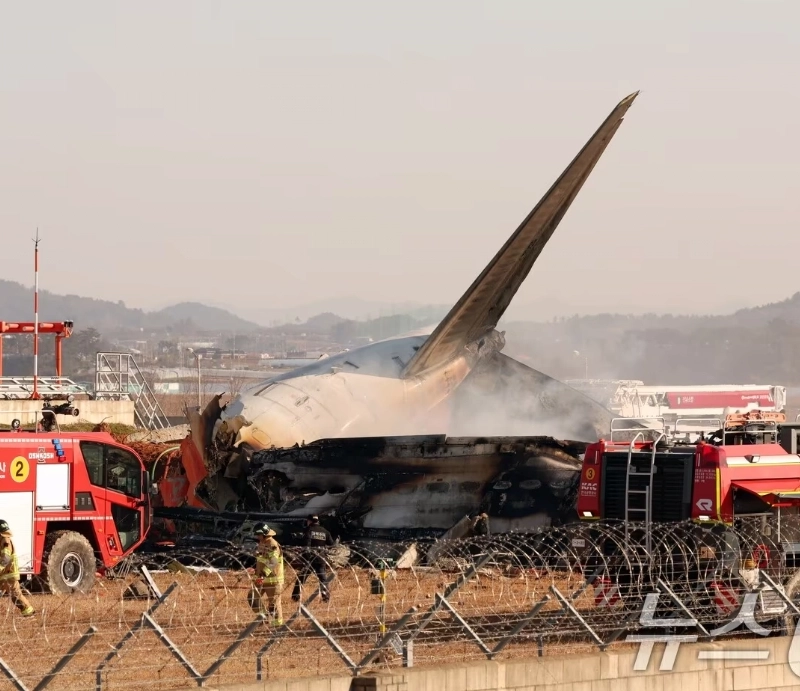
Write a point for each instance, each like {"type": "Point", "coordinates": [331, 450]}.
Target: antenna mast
{"type": "Point", "coordinates": [36, 316]}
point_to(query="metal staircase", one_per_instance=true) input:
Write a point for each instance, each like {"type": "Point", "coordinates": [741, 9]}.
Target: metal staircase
{"type": "Point", "coordinates": [118, 378]}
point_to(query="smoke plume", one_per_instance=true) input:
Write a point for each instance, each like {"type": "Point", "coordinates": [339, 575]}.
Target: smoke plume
{"type": "Point", "coordinates": [503, 397]}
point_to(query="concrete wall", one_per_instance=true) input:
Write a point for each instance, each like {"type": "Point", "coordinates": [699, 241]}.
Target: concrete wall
{"type": "Point", "coordinates": [27, 412]}
{"type": "Point", "coordinates": [591, 672]}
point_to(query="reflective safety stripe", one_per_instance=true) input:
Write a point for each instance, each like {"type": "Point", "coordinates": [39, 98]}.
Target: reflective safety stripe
{"type": "Point", "coordinates": [273, 567]}
{"type": "Point", "coordinates": [11, 570]}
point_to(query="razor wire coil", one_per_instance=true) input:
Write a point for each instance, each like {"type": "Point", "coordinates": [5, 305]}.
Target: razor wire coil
{"type": "Point", "coordinates": [570, 589]}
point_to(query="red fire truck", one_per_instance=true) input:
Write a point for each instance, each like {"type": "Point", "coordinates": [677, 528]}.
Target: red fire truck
{"type": "Point", "coordinates": [744, 475]}
{"type": "Point", "coordinates": [73, 501]}
{"type": "Point", "coordinates": [749, 466]}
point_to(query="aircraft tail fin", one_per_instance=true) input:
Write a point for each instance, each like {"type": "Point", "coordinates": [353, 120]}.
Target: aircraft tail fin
{"type": "Point", "coordinates": [481, 307]}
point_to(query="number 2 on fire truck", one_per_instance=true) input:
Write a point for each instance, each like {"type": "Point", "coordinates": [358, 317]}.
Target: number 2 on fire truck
{"type": "Point", "coordinates": [19, 469]}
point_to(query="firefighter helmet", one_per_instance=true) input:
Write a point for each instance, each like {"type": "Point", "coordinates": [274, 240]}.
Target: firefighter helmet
{"type": "Point", "coordinates": [265, 530]}
{"type": "Point", "coordinates": [5, 529]}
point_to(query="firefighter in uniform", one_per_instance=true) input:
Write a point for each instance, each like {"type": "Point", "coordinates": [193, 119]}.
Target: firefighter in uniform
{"type": "Point", "coordinates": [9, 572]}
{"type": "Point", "coordinates": [478, 528]}
{"type": "Point", "coordinates": [315, 537]}
{"type": "Point", "coordinates": [480, 525]}
{"type": "Point", "coordinates": [269, 573]}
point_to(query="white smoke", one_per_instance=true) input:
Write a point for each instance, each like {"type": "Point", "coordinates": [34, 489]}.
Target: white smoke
{"type": "Point", "coordinates": [506, 398]}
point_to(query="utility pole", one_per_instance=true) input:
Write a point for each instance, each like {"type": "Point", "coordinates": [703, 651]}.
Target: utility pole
{"type": "Point", "coordinates": [36, 316]}
{"type": "Point", "coordinates": [199, 390]}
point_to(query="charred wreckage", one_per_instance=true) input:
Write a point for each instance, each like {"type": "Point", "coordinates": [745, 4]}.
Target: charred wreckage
{"type": "Point", "coordinates": [406, 436]}
{"type": "Point", "coordinates": [388, 488]}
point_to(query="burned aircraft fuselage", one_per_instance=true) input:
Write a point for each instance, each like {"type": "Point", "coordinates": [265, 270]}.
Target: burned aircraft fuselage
{"type": "Point", "coordinates": [413, 486]}
{"type": "Point", "coordinates": [252, 454]}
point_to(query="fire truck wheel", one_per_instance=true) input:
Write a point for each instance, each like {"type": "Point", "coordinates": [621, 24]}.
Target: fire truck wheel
{"type": "Point", "coordinates": [69, 563]}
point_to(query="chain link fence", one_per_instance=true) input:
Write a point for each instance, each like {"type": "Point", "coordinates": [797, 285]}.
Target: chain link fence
{"type": "Point", "coordinates": [186, 618]}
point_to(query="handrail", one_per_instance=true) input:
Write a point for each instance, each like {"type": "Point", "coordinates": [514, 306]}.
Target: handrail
{"type": "Point", "coordinates": [631, 446]}
{"type": "Point", "coordinates": [638, 428]}
{"type": "Point", "coordinates": [118, 377]}
{"type": "Point", "coordinates": [55, 417]}
{"type": "Point", "coordinates": [15, 388]}
{"type": "Point", "coordinates": [655, 444]}
{"type": "Point", "coordinates": [767, 427]}
{"type": "Point", "coordinates": [696, 422]}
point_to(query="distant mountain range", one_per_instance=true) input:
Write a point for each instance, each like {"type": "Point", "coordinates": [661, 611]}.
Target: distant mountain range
{"type": "Point", "coordinates": [786, 310]}
{"type": "Point", "coordinates": [108, 316]}
{"type": "Point", "coordinates": [354, 308]}
{"type": "Point", "coordinates": [16, 304]}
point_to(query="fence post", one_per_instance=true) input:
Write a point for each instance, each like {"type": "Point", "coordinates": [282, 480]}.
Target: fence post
{"type": "Point", "coordinates": [387, 637]}
{"type": "Point", "coordinates": [408, 653]}
{"type": "Point", "coordinates": [520, 625]}
{"type": "Point", "coordinates": [98, 673]}
{"type": "Point", "coordinates": [332, 642]}
{"type": "Point", "coordinates": [448, 591]}
{"type": "Point", "coordinates": [241, 638]}
{"type": "Point", "coordinates": [176, 652]}
{"type": "Point", "coordinates": [567, 605]}
{"type": "Point", "coordinates": [13, 678]}
{"type": "Point", "coordinates": [277, 635]}
{"type": "Point", "coordinates": [64, 661]}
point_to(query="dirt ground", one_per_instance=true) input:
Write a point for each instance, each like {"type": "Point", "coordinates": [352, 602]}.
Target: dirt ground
{"type": "Point", "coordinates": [208, 611]}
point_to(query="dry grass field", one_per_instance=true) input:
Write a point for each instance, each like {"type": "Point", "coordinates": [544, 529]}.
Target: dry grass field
{"type": "Point", "coordinates": [208, 610]}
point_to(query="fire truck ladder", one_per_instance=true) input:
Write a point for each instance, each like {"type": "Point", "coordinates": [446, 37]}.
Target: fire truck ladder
{"type": "Point", "coordinates": [647, 491]}
{"type": "Point", "coordinates": [118, 378]}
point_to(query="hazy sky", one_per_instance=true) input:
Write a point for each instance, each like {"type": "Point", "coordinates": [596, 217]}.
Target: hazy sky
{"type": "Point", "coordinates": [263, 154]}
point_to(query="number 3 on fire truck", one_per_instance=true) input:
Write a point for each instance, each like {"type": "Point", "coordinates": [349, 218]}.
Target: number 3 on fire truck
{"type": "Point", "coordinates": [19, 469]}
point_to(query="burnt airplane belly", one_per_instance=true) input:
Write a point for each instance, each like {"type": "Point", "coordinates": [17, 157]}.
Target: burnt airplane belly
{"type": "Point", "coordinates": [399, 483]}
{"type": "Point", "coordinates": [425, 502]}
{"type": "Point", "coordinates": [527, 494]}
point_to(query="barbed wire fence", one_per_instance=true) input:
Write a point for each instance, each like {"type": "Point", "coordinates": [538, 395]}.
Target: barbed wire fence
{"type": "Point", "coordinates": [188, 617]}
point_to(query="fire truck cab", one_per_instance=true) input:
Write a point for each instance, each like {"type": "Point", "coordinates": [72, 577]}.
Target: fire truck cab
{"type": "Point", "coordinates": [77, 503]}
